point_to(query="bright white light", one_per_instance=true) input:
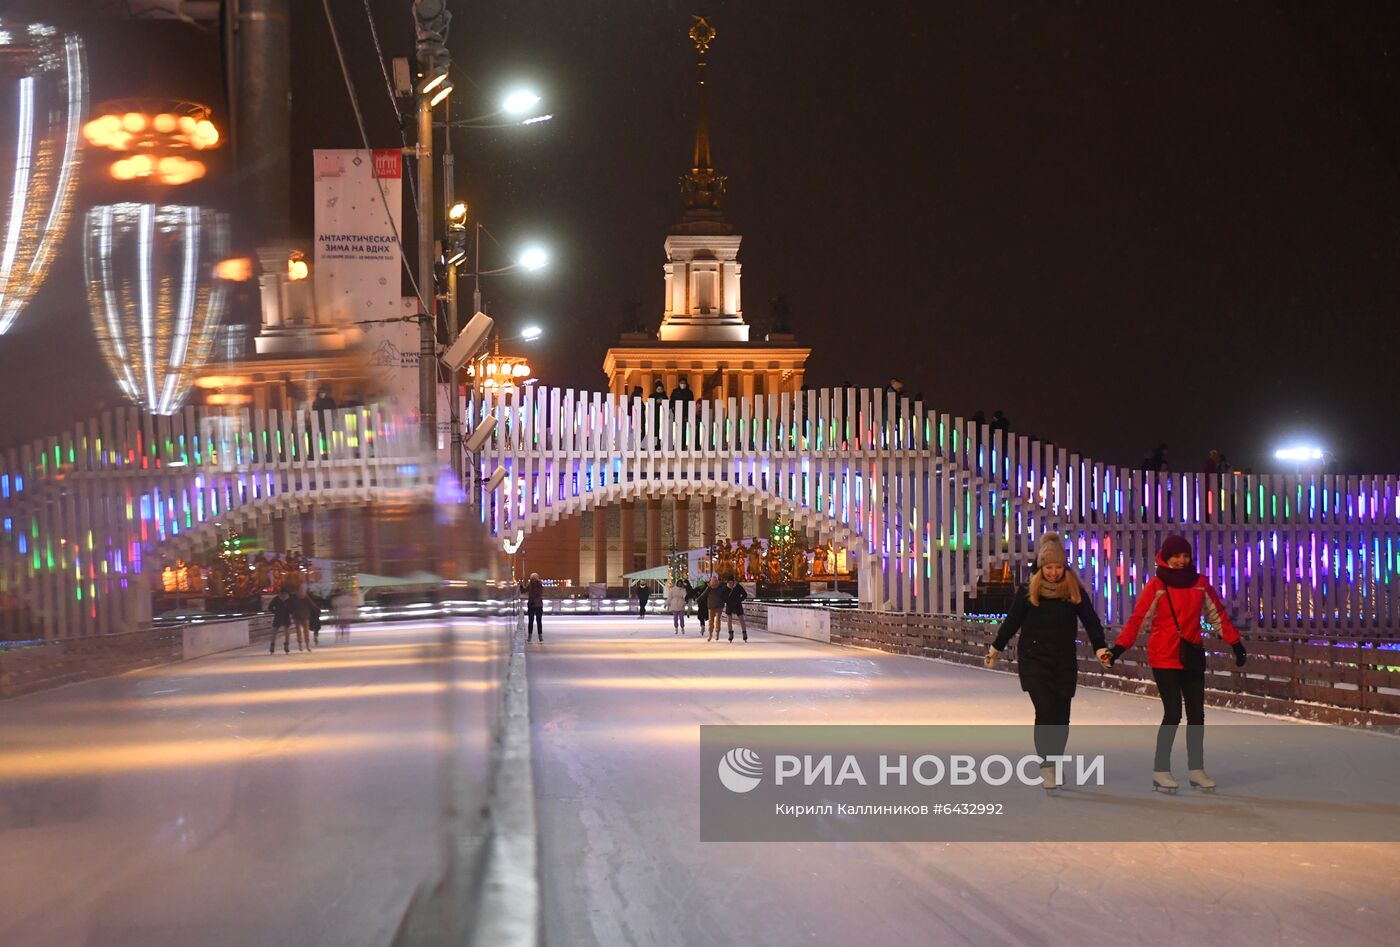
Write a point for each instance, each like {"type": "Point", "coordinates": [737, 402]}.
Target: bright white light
{"type": "Point", "coordinates": [522, 100]}
{"type": "Point", "coordinates": [531, 333]}
{"type": "Point", "coordinates": [434, 82]}
{"type": "Point", "coordinates": [1298, 453]}
{"type": "Point", "coordinates": [537, 119]}
{"type": "Point", "coordinates": [533, 258]}
{"type": "Point", "coordinates": [441, 94]}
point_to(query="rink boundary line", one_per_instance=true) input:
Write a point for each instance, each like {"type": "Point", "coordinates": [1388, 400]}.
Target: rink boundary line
{"type": "Point", "coordinates": [509, 908]}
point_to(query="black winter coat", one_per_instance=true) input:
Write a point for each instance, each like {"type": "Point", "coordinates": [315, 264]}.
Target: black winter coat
{"type": "Point", "coordinates": [281, 609]}
{"type": "Point", "coordinates": [734, 600]}
{"type": "Point", "coordinates": [1048, 652]}
{"type": "Point", "coordinates": [701, 595]}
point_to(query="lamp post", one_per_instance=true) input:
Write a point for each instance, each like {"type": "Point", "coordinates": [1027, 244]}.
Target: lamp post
{"type": "Point", "coordinates": [456, 252]}
{"type": "Point", "coordinates": [439, 88]}
{"type": "Point", "coordinates": [433, 91]}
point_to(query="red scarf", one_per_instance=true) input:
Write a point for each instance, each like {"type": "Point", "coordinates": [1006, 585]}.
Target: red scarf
{"type": "Point", "coordinates": [1177, 578]}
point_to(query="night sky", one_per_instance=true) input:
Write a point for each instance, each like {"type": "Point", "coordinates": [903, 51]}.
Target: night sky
{"type": "Point", "coordinates": [1121, 224]}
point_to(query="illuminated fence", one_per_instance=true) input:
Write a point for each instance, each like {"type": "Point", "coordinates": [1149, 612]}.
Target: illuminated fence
{"type": "Point", "coordinates": [934, 504]}
{"type": "Point", "coordinates": [83, 513]}
{"type": "Point", "coordinates": [931, 504]}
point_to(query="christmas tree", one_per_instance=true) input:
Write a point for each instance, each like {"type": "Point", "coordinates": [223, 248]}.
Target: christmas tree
{"type": "Point", "coordinates": [781, 548]}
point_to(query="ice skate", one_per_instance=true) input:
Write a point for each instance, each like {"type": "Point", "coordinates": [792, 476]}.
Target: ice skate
{"type": "Point", "coordinates": [1199, 780]}
{"type": "Point", "coordinates": [1048, 781]}
{"type": "Point", "coordinates": [1164, 782]}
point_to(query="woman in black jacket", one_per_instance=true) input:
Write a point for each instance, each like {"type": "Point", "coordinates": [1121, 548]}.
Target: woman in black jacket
{"type": "Point", "coordinates": [1047, 613]}
{"type": "Point", "coordinates": [702, 604]}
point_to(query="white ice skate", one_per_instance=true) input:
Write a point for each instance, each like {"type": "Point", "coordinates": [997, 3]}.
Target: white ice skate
{"type": "Point", "coordinates": [1199, 780]}
{"type": "Point", "coordinates": [1051, 786]}
{"type": "Point", "coordinates": [1164, 782]}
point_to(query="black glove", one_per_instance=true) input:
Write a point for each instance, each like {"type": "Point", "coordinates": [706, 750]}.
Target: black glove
{"type": "Point", "coordinates": [1117, 652]}
{"type": "Point", "coordinates": [1240, 654]}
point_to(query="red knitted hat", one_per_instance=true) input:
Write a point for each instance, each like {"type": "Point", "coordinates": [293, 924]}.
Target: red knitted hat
{"type": "Point", "coordinates": [1175, 546]}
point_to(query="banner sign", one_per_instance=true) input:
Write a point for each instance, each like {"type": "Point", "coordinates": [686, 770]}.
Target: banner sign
{"type": "Point", "coordinates": [392, 348]}
{"type": "Point", "coordinates": [359, 207]}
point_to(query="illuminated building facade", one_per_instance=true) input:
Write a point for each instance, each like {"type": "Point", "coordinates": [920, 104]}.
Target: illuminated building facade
{"type": "Point", "coordinates": [704, 339]}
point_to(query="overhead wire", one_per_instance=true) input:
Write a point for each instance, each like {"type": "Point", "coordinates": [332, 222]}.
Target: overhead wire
{"type": "Point", "coordinates": [393, 100]}
{"type": "Point", "coordinates": [427, 311]}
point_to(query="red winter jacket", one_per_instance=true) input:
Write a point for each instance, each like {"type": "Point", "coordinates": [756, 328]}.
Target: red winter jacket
{"type": "Point", "coordinates": [1191, 604]}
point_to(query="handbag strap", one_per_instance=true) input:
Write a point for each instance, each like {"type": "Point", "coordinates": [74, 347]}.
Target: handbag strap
{"type": "Point", "coordinates": [1166, 591]}
{"type": "Point", "coordinates": [1167, 594]}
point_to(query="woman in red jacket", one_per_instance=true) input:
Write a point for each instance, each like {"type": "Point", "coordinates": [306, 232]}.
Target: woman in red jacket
{"type": "Point", "coordinates": [1172, 607]}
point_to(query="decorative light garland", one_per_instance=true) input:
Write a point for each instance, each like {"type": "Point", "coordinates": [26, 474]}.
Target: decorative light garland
{"type": "Point", "coordinates": [43, 79]}
{"type": "Point", "coordinates": [153, 136]}
{"type": "Point", "coordinates": [155, 301]}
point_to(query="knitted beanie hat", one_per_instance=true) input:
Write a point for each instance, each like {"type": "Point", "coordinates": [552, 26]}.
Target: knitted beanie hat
{"type": "Point", "coordinates": [1175, 546]}
{"type": "Point", "coordinates": [1051, 551]}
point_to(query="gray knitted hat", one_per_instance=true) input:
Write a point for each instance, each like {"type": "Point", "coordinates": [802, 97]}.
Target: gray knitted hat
{"type": "Point", "coordinates": [1051, 551]}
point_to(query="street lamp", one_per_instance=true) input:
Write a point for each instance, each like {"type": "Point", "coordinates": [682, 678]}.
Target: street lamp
{"type": "Point", "coordinates": [533, 258]}
{"type": "Point", "coordinates": [1304, 457]}
{"type": "Point", "coordinates": [514, 105]}
{"type": "Point", "coordinates": [1299, 454]}
{"type": "Point", "coordinates": [521, 100]}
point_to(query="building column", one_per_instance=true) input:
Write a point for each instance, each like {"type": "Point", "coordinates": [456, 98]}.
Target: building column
{"type": "Point", "coordinates": [681, 523]}
{"type": "Point", "coordinates": [308, 534]}
{"type": "Point", "coordinates": [628, 541]}
{"type": "Point", "coordinates": [736, 520]}
{"type": "Point", "coordinates": [707, 522]}
{"type": "Point", "coordinates": [765, 524]}
{"type": "Point", "coordinates": [746, 389]}
{"type": "Point", "coordinates": [371, 534]}
{"type": "Point", "coordinates": [340, 533]}
{"type": "Point", "coordinates": [653, 532]}
{"type": "Point", "coordinates": [600, 544]}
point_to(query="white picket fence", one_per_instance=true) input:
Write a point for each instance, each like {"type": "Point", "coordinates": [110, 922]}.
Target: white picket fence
{"type": "Point", "coordinates": [934, 503]}
{"type": "Point", "coordinates": [85, 514]}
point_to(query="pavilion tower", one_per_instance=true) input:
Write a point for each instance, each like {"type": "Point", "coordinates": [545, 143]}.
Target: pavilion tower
{"type": "Point", "coordinates": [702, 267]}
{"type": "Point", "coordinates": [704, 337]}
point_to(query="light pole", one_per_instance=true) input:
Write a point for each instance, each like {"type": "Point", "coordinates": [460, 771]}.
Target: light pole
{"type": "Point", "coordinates": [433, 91]}
{"type": "Point", "coordinates": [456, 253]}
{"type": "Point", "coordinates": [515, 103]}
